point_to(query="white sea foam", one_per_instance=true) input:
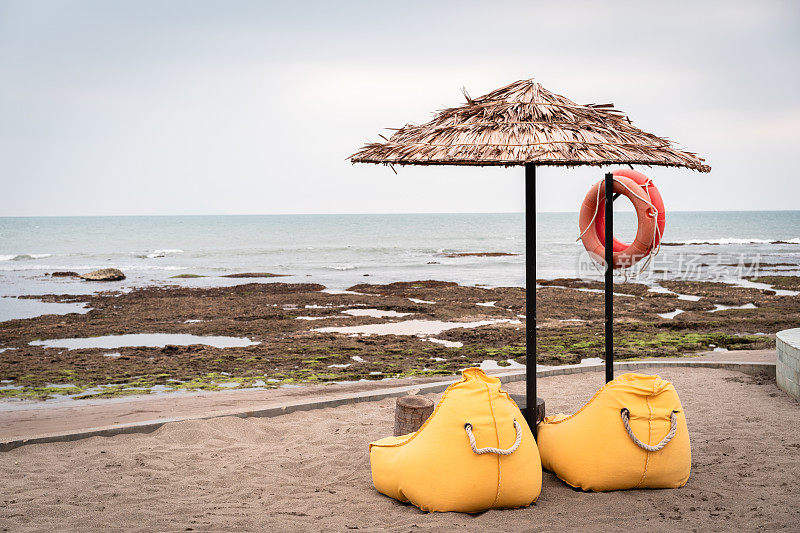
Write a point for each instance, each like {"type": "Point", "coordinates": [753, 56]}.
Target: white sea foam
{"type": "Point", "coordinates": [162, 253]}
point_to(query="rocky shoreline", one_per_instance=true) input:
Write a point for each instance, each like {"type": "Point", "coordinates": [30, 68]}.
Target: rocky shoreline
{"type": "Point", "coordinates": [283, 320]}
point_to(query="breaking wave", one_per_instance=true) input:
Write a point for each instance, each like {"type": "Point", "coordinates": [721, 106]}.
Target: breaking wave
{"type": "Point", "coordinates": [23, 257]}
{"type": "Point", "coordinates": [341, 267]}
{"type": "Point", "coordinates": [160, 253]}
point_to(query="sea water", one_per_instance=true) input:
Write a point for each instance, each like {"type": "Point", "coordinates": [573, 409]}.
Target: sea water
{"type": "Point", "coordinates": [339, 251]}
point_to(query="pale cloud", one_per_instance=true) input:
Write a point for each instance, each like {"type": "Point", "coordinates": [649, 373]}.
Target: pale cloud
{"type": "Point", "coordinates": [252, 107]}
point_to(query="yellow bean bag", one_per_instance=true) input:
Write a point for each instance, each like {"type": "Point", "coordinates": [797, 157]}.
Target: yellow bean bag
{"type": "Point", "coordinates": [446, 466]}
{"type": "Point", "coordinates": [593, 450]}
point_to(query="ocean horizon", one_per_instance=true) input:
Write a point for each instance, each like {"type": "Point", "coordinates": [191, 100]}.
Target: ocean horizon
{"type": "Point", "coordinates": [398, 213]}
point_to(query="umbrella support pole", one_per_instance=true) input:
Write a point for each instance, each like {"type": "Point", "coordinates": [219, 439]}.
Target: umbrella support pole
{"type": "Point", "coordinates": [534, 411]}
{"type": "Point", "coordinates": [534, 406]}
{"type": "Point", "coordinates": [609, 273]}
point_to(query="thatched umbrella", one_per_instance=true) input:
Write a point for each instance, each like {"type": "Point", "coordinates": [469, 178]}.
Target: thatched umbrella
{"type": "Point", "coordinates": [525, 124]}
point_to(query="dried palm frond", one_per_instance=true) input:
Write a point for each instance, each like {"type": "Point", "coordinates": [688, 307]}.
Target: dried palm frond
{"type": "Point", "coordinates": [525, 123]}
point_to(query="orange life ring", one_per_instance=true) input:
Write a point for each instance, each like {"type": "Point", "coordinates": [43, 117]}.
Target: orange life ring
{"type": "Point", "coordinates": [655, 199]}
{"type": "Point", "coordinates": [647, 233]}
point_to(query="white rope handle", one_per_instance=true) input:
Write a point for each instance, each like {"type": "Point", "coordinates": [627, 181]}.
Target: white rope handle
{"type": "Point", "coordinates": [673, 428]}
{"type": "Point", "coordinates": [498, 451]}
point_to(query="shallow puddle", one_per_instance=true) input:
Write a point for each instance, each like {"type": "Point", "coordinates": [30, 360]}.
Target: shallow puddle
{"type": "Point", "coordinates": [22, 308]}
{"type": "Point", "coordinates": [411, 327]}
{"type": "Point", "coordinates": [663, 290]}
{"type": "Point", "coordinates": [344, 291]}
{"type": "Point", "coordinates": [491, 364]}
{"type": "Point", "coordinates": [747, 284]}
{"type": "Point", "coordinates": [720, 307]}
{"type": "Point", "coordinates": [374, 313]}
{"type": "Point", "coordinates": [443, 342]}
{"type": "Point", "coordinates": [148, 340]}
{"type": "Point", "coordinates": [672, 314]}
{"type": "Point", "coordinates": [583, 289]}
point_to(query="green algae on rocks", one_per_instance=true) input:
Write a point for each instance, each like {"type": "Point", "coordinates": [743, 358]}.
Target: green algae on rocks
{"type": "Point", "coordinates": [290, 352]}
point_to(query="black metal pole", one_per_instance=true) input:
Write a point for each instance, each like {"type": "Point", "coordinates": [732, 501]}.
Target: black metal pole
{"type": "Point", "coordinates": [530, 295]}
{"type": "Point", "coordinates": [609, 285]}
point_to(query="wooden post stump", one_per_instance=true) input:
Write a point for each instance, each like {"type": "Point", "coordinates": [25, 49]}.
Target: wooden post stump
{"type": "Point", "coordinates": [410, 413]}
{"type": "Point", "coordinates": [522, 403]}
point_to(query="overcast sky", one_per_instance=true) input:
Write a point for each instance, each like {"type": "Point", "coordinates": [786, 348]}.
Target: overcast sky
{"type": "Point", "coordinates": [234, 107]}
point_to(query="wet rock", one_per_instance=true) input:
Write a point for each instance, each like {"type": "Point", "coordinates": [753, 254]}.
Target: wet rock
{"type": "Point", "coordinates": [65, 274]}
{"type": "Point", "coordinates": [104, 274]}
{"type": "Point", "coordinates": [254, 275]}
{"type": "Point", "coordinates": [478, 254]}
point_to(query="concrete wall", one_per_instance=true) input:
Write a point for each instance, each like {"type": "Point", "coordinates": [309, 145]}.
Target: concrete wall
{"type": "Point", "coordinates": [787, 369]}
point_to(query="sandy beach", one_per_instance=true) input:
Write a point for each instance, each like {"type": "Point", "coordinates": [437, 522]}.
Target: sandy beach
{"type": "Point", "coordinates": [310, 471]}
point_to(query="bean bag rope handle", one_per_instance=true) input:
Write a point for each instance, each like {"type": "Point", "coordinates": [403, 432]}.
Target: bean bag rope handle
{"type": "Point", "coordinates": [498, 451]}
{"type": "Point", "coordinates": [625, 414]}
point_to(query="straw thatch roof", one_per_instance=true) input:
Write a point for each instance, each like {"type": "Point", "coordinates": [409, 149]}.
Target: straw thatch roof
{"type": "Point", "coordinates": [525, 123]}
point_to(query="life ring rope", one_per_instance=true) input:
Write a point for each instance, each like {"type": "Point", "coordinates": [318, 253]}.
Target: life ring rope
{"type": "Point", "coordinates": [652, 211]}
